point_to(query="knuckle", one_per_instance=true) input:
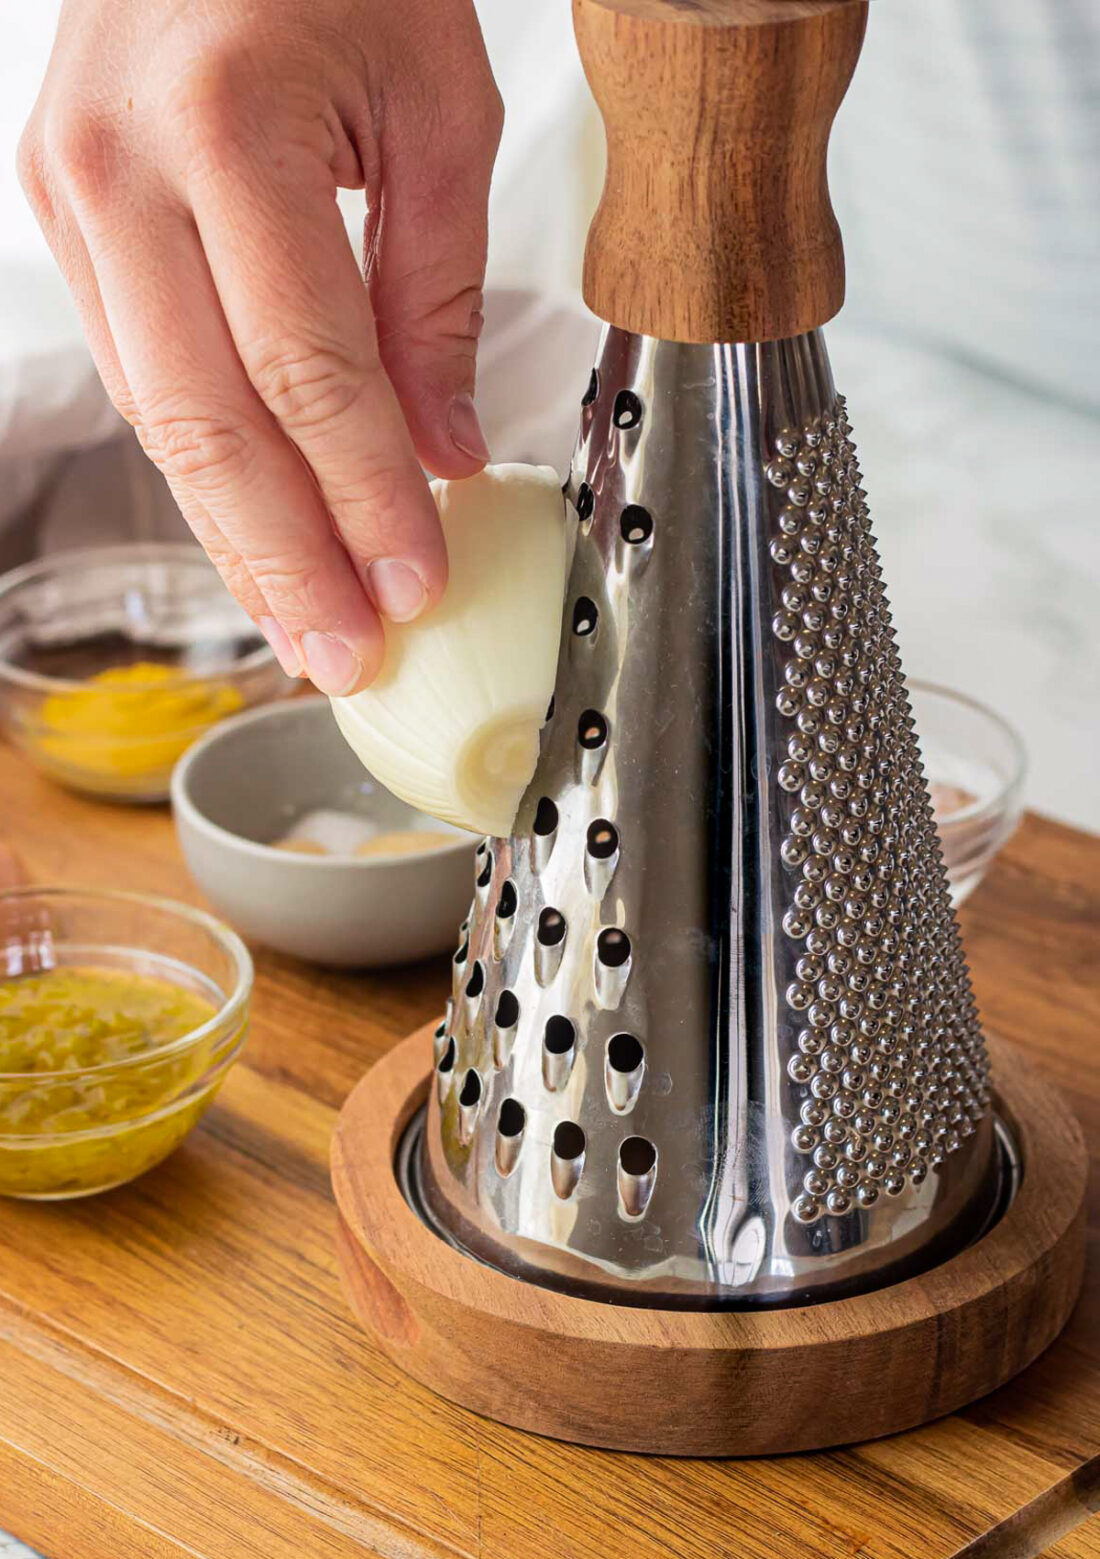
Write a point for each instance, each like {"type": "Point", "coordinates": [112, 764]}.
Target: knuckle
{"type": "Point", "coordinates": [211, 103]}
{"type": "Point", "coordinates": [202, 451]}
{"type": "Point", "coordinates": [82, 149]}
{"type": "Point", "coordinates": [306, 386]}
{"type": "Point", "coordinates": [488, 124]}
{"type": "Point", "coordinates": [376, 489]}
{"type": "Point", "coordinates": [30, 163]}
{"type": "Point", "coordinates": [290, 582]}
{"type": "Point", "coordinates": [238, 580]}
{"type": "Point", "coordinates": [473, 116]}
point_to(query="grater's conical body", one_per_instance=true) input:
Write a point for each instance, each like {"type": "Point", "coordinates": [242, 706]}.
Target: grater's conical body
{"type": "Point", "coordinates": [712, 1039]}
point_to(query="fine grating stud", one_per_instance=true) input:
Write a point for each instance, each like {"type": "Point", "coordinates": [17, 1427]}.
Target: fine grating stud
{"type": "Point", "coordinates": [875, 951]}
{"type": "Point", "coordinates": [511, 1121]}
{"type": "Point", "coordinates": [624, 1069]}
{"type": "Point", "coordinates": [637, 1175]}
{"type": "Point", "coordinates": [567, 1158]}
{"type": "Point", "coordinates": [613, 957]}
{"type": "Point", "coordinates": [549, 944]}
{"type": "Point", "coordinates": [559, 1048]}
{"type": "Point", "coordinates": [504, 1027]}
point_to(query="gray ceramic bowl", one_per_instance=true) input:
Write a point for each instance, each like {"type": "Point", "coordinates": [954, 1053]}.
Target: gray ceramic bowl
{"type": "Point", "coordinates": [246, 783]}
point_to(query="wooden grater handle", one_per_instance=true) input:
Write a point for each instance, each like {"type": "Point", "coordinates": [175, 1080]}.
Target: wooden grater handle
{"type": "Point", "coordinates": [715, 222]}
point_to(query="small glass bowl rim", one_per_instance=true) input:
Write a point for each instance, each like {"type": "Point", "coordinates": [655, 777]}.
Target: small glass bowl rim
{"type": "Point", "coordinates": [180, 552]}
{"type": "Point", "coordinates": [995, 802]}
{"type": "Point", "coordinates": [229, 1015]}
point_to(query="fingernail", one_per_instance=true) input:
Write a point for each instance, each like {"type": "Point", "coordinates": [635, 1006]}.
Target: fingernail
{"type": "Point", "coordinates": [333, 667]}
{"type": "Point", "coordinates": [285, 653]}
{"type": "Point", "coordinates": [397, 589]}
{"type": "Point", "coordinates": [466, 431]}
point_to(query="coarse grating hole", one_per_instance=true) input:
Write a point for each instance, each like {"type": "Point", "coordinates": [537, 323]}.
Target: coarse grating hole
{"type": "Point", "coordinates": [586, 502]}
{"type": "Point", "coordinates": [507, 1014]}
{"type": "Point", "coordinates": [569, 1140]}
{"type": "Point", "coordinates": [628, 410]}
{"type": "Point", "coordinates": [512, 1118]}
{"type": "Point", "coordinates": [549, 711]}
{"type": "Point", "coordinates": [551, 927]}
{"type": "Point", "coordinates": [585, 617]}
{"type": "Point", "coordinates": [476, 983]}
{"type": "Point", "coordinates": [613, 948]}
{"type": "Point", "coordinates": [560, 1035]}
{"type": "Point", "coordinates": [441, 1031]}
{"type": "Point", "coordinates": [485, 875]}
{"type": "Point", "coordinates": [447, 1059]}
{"type": "Point", "coordinates": [624, 1053]}
{"type": "Point", "coordinates": [567, 1159]}
{"type": "Point", "coordinates": [603, 839]}
{"type": "Point", "coordinates": [546, 817]}
{"type": "Point", "coordinates": [637, 1176]}
{"type": "Point", "coordinates": [591, 730]}
{"type": "Point", "coordinates": [637, 1155]}
{"type": "Point", "coordinates": [593, 389]}
{"type": "Point", "coordinates": [463, 952]}
{"type": "Point", "coordinates": [506, 904]}
{"type": "Point", "coordinates": [635, 524]}
{"type": "Point", "coordinates": [471, 1089]}
{"type": "Point", "coordinates": [624, 1071]}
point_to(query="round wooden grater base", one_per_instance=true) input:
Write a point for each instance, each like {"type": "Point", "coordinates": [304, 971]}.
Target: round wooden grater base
{"type": "Point", "coordinates": [695, 1383]}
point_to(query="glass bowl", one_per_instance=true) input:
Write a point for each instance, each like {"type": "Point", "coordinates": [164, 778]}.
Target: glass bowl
{"type": "Point", "coordinates": [70, 1130]}
{"type": "Point", "coordinates": [113, 660]}
{"type": "Point", "coordinates": [974, 764]}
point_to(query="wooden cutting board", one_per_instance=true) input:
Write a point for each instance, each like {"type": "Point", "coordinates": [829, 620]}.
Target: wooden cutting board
{"type": "Point", "coordinates": [180, 1375]}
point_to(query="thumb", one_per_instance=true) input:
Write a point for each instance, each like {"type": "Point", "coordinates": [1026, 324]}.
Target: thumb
{"type": "Point", "coordinates": [426, 267]}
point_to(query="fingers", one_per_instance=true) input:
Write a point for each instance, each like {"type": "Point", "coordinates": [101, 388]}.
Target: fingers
{"type": "Point", "coordinates": [227, 314]}
{"type": "Point", "coordinates": [71, 253]}
{"type": "Point", "coordinates": [301, 321]}
{"type": "Point", "coordinates": [429, 262]}
{"type": "Point", "coordinates": [241, 484]}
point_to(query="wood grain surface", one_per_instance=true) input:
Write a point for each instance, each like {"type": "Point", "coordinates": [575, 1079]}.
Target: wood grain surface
{"type": "Point", "coordinates": [180, 1376]}
{"type": "Point", "coordinates": [715, 222]}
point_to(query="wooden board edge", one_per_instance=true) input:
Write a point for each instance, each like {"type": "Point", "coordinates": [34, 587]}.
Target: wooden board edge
{"type": "Point", "coordinates": [717, 1383]}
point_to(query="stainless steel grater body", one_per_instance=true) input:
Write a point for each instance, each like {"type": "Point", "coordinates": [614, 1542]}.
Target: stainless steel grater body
{"type": "Point", "coordinates": [712, 1039]}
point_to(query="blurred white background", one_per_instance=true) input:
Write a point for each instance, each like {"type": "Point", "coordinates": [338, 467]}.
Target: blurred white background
{"type": "Point", "coordinates": [965, 174]}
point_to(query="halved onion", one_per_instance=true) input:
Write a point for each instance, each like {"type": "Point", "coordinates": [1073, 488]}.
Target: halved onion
{"type": "Point", "coordinates": [451, 724]}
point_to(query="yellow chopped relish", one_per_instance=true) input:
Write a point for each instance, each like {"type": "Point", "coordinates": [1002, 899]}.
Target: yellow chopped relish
{"type": "Point", "coordinates": [88, 1096]}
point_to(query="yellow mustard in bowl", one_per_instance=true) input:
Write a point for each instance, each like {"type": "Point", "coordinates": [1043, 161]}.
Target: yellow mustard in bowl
{"type": "Point", "coordinates": [128, 723]}
{"type": "Point", "coordinates": [102, 1074]}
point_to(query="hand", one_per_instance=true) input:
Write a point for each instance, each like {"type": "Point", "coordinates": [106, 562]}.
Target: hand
{"type": "Point", "coordinates": [183, 161]}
